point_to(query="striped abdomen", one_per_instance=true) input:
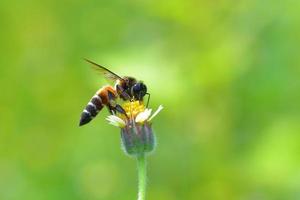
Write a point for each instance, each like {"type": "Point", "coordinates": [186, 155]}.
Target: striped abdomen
{"type": "Point", "coordinates": [98, 101]}
{"type": "Point", "coordinates": [91, 110]}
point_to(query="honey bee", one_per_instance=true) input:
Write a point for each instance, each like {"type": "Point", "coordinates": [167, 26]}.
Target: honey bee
{"type": "Point", "coordinates": [126, 88]}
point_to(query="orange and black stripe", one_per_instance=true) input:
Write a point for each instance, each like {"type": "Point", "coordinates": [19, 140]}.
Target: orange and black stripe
{"type": "Point", "coordinates": [91, 110]}
{"type": "Point", "coordinates": [95, 105]}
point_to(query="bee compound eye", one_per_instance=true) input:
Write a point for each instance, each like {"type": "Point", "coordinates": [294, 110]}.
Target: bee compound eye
{"type": "Point", "coordinates": [139, 90]}
{"type": "Point", "coordinates": [136, 87]}
{"type": "Point", "coordinates": [139, 87]}
{"type": "Point", "coordinates": [143, 88]}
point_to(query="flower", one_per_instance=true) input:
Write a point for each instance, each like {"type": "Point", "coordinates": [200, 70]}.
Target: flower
{"type": "Point", "coordinates": [116, 121]}
{"type": "Point", "coordinates": [136, 131]}
{"type": "Point", "coordinates": [136, 111]}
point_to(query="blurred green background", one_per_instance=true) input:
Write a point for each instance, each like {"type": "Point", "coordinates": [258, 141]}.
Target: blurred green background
{"type": "Point", "coordinates": [227, 73]}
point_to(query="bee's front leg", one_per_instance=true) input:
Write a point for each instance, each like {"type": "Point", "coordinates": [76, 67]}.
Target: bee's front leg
{"type": "Point", "coordinates": [120, 110]}
{"type": "Point", "coordinates": [124, 95]}
{"type": "Point", "coordinates": [117, 109]}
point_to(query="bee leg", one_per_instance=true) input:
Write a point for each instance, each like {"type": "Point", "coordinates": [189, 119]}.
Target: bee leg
{"type": "Point", "coordinates": [111, 110]}
{"type": "Point", "coordinates": [111, 103]}
{"type": "Point", "coordinates": [121, 110]}
{"type": "Point", "coordinates": [113, 106]}
{"type": "Point", "coordinates": [123, 93]}
{"type": "Point", "coordinates": [111, 98]}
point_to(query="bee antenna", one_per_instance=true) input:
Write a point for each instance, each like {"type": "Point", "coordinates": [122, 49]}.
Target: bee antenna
{"type": "Point", "coordinates": [148, 99]}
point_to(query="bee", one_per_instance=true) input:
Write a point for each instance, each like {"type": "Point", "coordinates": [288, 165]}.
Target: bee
{"type": "Point", "coordinates": [126, 88]}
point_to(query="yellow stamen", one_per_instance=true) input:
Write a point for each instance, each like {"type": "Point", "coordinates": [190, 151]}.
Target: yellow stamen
{"type": "Point", "coordinates": [132, 109]}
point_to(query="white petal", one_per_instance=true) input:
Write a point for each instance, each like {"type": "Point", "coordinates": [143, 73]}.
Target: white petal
{"type": "Point", "coordinates": [156, 112]}
{"type": "Point", "coordinates": [143, 116]}
{"type": "Point", "coordinates": [115, 121]}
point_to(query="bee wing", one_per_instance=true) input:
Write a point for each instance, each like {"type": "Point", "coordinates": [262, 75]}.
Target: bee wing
{"type": "Point", "coordinates": [106, 72]}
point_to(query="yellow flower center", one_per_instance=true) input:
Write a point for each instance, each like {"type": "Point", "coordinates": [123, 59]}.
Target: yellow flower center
{"type": "Point", "coordinates": [132, 109]}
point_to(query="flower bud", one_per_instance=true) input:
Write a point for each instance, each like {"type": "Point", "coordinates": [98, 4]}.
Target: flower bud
{"type": "Point", "coordinates": [136, 133]}
{"type": "Point", "coordinates": [137, 139]}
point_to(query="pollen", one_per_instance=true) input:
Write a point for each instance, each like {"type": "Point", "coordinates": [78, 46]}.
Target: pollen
{"type": "Point", "coordinates": [133, 108]}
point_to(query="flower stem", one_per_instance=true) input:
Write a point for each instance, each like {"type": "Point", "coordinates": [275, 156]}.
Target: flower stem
{"type": "Point", "coordinates": [141, 165]}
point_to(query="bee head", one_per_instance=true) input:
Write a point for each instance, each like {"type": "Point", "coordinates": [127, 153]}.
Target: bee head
{"type": "Point", "coordinates": [139, 90]}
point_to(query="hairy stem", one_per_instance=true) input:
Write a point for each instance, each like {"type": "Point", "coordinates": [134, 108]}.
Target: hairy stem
{"type": "Point", "coordinates": [141, 165]}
